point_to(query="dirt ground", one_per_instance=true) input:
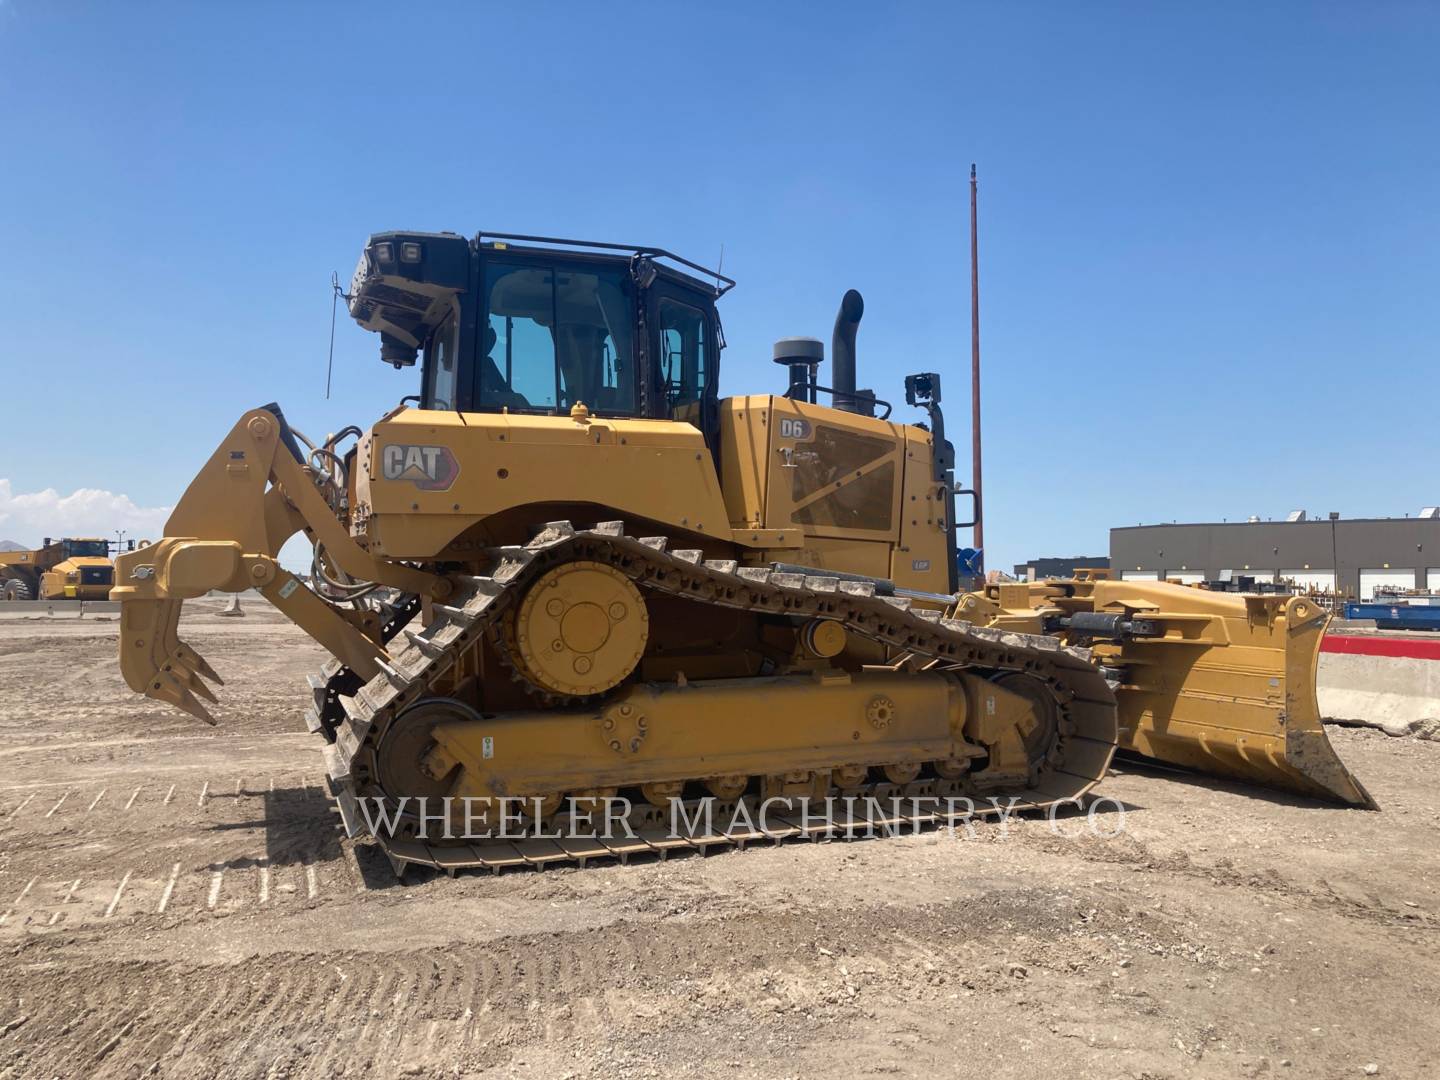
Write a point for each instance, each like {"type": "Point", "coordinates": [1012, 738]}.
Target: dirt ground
{"type": "Point", "coordinates": [175, 901]}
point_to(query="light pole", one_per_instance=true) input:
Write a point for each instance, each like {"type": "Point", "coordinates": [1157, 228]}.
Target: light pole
{"type": "Point", "coordinates": [975, 367]}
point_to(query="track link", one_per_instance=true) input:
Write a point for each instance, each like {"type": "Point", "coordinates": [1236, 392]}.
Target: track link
{"type": "Point", "coordinates": [353, 716]}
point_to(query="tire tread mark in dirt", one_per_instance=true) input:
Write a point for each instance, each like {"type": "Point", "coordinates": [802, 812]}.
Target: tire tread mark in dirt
{"type": "Point", "coordinates": [161, 1032]}
{"type": "Point", "coordinates": [469, 993]}
{"type": "Point", "coordinates": [326, 1011]}
{"type": "Point", "coordinates": [435, 992]}
{"type": "Point", "coordinates": [46, 1013]}
{"type": "Point", "coordinates": [362, 981]}
{"type": "Point", "coordinates": [570, 990]}
{"type": "Point", "coordinates": [279, 990]}
{"type": "Point", "coordinates": [626, 960]}
{"type": "Point", "coordinates": [371, 1003]}
{"type": "Point", "coordinates": [398, 1020]}
{"type": "Point", "coordinates": [122, 1030]}
{"type": "Point", "coordinates": [528, 974]}
{"type": "Point", "coordinates": [496, 982]}
{"type": "Point", "coordinates": [216, 1042]}
{"type": "Point", "coordinates": [586, 982]}
{"type": "Point", "coordinates": [469, 979]}
{"type": "Point", "coordinates": [87, 1025]}
{"type": "Point", "coordinates": [223, 1004]}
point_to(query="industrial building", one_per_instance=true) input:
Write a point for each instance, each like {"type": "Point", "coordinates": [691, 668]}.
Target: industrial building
{"type": "Point", "coordinates": [1040, 569]}
{"type": "Point", "coordinates": [1351, 556]}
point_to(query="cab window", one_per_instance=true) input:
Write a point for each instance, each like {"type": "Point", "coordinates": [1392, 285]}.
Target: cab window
{"type": "Point", "coordinates": [440, 365]}
{"type": "Point", "coordinates": [684, 353]}
{"type": "Point", "coordinates": [76, 549]}
{"type": "Point", "coordinates": [555, 336]}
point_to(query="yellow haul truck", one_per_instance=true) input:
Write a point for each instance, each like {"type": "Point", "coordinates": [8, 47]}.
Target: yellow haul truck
{"type": "Point", "coordinates": [73, 568]}
{"type": "Point", "coordinates": [568, 569]}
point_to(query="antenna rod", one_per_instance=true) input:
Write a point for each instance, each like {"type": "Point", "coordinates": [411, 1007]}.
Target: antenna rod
{"type": "Point", "coordinates": [975, 367]}
{"type": "Point", "coordinates": [334, 301]}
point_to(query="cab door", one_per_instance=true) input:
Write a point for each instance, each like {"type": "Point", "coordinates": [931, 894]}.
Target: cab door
{"type": "Point", "coordinates": [685, 346]}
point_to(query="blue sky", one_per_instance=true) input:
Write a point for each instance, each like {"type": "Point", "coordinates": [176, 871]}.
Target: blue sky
{"type": "Point", "coordinates": [1210, 236]}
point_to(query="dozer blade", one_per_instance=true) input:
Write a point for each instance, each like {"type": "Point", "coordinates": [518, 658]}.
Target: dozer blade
{"type": "Point", "coordinates": [1227, 686]}
{"type": "Point", "coordinates": [157, 663]}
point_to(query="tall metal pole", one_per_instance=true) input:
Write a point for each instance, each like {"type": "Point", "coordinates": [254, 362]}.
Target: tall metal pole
{"type": "Point", "coordinates": [975, 365]}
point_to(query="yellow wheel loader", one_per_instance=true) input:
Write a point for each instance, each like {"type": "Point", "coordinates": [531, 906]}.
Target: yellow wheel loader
{"type": "Point", "coordinates": [568, 571]}
{"type": "Point", "coordinates": [73, 568]}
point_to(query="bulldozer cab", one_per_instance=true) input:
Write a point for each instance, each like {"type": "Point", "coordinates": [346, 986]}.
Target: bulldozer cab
{"type": "Point", "coordinates": [536, 325]}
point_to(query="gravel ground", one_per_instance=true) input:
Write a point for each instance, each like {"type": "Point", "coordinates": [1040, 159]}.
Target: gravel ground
{"type": "Point", "coordinates": [176, 901]}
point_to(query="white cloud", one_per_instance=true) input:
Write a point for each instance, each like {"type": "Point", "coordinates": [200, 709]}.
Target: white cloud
{"type": "Point", "coordinates": [29, 517]}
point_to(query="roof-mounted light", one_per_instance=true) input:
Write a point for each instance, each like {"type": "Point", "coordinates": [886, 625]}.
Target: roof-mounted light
{"type": "Point", "coordinates": [384, 252]}
{"type": "Point", "coordinates": [410, 252]}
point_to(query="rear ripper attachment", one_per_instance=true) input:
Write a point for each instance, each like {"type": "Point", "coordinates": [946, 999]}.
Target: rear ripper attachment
{"type": "Point", "coordinates": [256, 491]}
{"type": "Point", "coordinates": [960, 712]}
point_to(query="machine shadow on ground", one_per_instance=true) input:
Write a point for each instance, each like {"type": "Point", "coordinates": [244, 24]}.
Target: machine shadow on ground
{"type": "Point", "coordinates": [1213, 783]}
{"type": "Point", "coordinates": [300, 825]}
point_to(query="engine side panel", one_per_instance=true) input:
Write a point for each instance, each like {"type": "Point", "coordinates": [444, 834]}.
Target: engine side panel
{"type": "Point", "coordinates": [859, 491]}
{"type": "Point", "coordinates": [919, 559]}
{"type": "Point", "coordinates": [424, 477]}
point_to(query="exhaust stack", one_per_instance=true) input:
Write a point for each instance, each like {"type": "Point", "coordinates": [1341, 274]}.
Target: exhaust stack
{"type": "Point", "coordinates": [842, 351]}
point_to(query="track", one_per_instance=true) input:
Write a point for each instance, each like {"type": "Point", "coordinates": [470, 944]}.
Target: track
{"type": "Point", "coordinates": [355, 717]}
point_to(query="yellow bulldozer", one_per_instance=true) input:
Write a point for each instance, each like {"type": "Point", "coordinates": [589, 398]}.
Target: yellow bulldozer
{"type": "Point", "coordinates": [568, 570]}
{"type": "Point", "coordinates": [72, 568]}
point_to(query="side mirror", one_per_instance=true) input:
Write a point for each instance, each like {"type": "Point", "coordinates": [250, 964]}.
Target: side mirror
{"type": "Point", "coordinates": [922, 389]}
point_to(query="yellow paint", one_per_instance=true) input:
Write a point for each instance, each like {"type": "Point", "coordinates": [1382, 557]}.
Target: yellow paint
{"type": "Point", "coordinates": [1226, 684]}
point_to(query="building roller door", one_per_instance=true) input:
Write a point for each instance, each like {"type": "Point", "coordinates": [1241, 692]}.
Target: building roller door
{"type": "Point", "coordinates": [1398, 579]}
{"type": "Point", "coordinates": [1316, 580]}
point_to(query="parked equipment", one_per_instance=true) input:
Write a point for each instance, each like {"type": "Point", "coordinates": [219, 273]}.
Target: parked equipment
{"type": "Point", "coordinates": [609, 579]}
{"type": "Point", "coordinates": [73, 568]}
{"type": "Point", "coordinates": [1404, 611]}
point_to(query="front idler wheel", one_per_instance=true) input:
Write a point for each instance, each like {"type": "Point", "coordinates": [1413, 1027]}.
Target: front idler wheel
{"type": "Point", "coordinates": [579, 630]}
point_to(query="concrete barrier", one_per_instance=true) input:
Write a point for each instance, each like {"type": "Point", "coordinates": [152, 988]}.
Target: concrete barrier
{"type": "Point", "coordinates": [57, 609]}
{"type": "Point", "coordinates": [1391, 683]}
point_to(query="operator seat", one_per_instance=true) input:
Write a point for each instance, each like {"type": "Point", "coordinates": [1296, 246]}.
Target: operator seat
{"type": "Point", "coordinates": [493, 387]}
